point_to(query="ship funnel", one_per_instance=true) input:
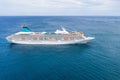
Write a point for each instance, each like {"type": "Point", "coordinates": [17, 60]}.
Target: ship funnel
{"type": "Point", "coordinates": [25, 28]}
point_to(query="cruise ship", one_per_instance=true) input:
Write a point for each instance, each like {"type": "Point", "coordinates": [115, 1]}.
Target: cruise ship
{"type": "Point", "coordinates": [26, 36]}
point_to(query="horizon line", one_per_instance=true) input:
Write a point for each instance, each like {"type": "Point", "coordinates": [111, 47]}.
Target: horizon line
{"type": "Point", "coordinates": [58, 15]}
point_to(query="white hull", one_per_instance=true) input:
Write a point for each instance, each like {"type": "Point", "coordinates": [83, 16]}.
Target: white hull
{"type": "Point", "coordinates": [82, 41]}
{"type": "Point", "coordinates": [58, 37]}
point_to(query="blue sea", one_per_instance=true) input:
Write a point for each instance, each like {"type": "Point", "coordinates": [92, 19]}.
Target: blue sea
{"type": "Point", "coordinates": [96, 60]}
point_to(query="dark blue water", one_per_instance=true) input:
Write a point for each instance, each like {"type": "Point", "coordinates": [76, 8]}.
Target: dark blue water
{"type": "Point", "coordinates": [97, 60]}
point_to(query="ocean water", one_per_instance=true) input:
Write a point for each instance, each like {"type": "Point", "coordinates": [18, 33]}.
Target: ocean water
{"type": "Point", "coordinates": [97, 60]}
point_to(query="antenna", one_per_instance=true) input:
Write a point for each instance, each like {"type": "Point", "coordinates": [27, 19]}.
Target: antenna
{"type": "Point", "coordinates": [24, 25]}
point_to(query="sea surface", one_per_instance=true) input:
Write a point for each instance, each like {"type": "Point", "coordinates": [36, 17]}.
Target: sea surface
{"type": "Point", "coordinates": [96, 60]}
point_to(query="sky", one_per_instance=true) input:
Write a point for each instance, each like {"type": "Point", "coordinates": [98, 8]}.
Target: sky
{"type": "Point", "coordinates": [59, 7]}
